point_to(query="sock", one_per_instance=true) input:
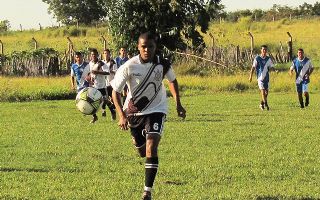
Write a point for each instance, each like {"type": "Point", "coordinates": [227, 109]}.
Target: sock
{"type": "Point", "coordinates": [151, 168]}
{"type": "Point", "coordinates": [262, 103]}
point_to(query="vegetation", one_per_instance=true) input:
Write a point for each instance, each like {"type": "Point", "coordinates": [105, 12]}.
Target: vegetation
{"type": "Point", "coordinates": [231, 150]}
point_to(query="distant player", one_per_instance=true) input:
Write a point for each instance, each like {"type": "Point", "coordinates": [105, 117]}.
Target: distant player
{"type": "Point", "coordinates": [262, 64]}
{"type": "Point", "coordinates": [99, 71]}
{"type": "Point", "coordinates": [112, 68]}
{"type": "Point", "coordinates": [303, 69]}
{"type": "Point", "coordinates": [81, 71]}
{"type": "Point", "coordinates": [120, 60]}
{"type": "Point", "coordinates": [146, 107]}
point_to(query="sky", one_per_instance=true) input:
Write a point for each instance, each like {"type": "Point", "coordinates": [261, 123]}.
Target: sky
{"type": "Point", "coordinates": [29, 13]}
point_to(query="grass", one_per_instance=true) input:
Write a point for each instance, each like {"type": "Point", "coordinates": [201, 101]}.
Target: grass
{"type": "Point", "coordinates": [225, 149]}
{"type": "Point", "coordinates": [57, 88]}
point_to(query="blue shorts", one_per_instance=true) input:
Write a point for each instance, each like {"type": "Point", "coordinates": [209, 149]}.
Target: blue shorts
{"type": "Point", "coordinates": [302, 87]}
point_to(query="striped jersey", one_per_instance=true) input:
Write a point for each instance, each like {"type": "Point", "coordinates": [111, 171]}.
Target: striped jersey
{"type": "Point", "coordinates": [80, 72]}
{"type": "Point", "coordinates": [301, 67]}
{"type": "Point", "coordinates": [99, 80]}
{"type": "Point", "coordinates": [145, 86]}
{"type": "Point", "coordinates": [262, 66]}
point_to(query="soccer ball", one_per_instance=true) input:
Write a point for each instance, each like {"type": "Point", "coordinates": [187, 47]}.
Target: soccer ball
{"type": "Point", "coordinates": [88, 100]}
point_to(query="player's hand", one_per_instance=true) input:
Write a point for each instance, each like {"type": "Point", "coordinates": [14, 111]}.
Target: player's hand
{"type": "Point", "coordinates": [123, 123]}
{"type": "Point", "coordinates": [181, 112]}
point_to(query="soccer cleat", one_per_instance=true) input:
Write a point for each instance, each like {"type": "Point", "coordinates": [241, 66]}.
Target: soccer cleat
{"type": "Point", "coordinates": [307, 103]}
{"type": "Point", "coordinates": [104, 114]}
{"type": "Point", "coordinates": [94, 119]}
{"type": "Point", "coordinates": [267, 106]}
{"type": "Point", "coordinates": [261, 106]}
{"type": "Point", "coordinates": [146, 196]}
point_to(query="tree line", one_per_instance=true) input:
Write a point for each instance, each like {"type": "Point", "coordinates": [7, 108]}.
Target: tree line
{"type": "Point", "coordinates": [274, 13]}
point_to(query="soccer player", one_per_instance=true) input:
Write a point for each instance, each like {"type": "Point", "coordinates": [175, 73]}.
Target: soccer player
{"type": "Point", "coordinates": [98, 73]}
{"type": "Point", "coordinates": [145, 108]}
{"type": "Point", "coordinates": [79, 70]}
{"type": "Point", "coordinates": [112, 68]}
{"type": "Point", "coordinates": [262, 64]}
{"type": "Point", "coordinates": [303, 68]}
{"type": "Point", "coordinates": [120, 60]}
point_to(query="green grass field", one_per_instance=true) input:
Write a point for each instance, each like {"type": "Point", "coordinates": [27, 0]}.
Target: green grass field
{"type": "Point", "coordinates": [225, 149]}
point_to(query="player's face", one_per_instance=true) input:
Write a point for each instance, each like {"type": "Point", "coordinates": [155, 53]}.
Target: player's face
{"type": "Point", "coordinates": [123, 52]}
{"type": "Point", "coordinates": [147, 49]}
{"type": "Point", "coordinates": [264, 51]}
{"type": "Point", "coordinates": [78, 58]}
{"type": "Point", "coordinates": [94, 56]}
{"type": "Point", "coordinates": [106, 55]}
{"type": "Point", "coordinates": [300, 55]}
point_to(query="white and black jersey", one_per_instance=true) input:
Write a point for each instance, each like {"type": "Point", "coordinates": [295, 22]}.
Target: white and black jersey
{"type": "Point", "coordinates": [99, 80]}
{"type": "Point", "coordinates": [144, 80]}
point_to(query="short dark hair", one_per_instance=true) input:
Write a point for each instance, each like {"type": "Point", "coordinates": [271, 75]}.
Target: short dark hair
{"type": "Point", "coordinates": [300, 49]}
{"type": "Point", "coordinates": [94, 51]}
{"type": "Point", "coordinates": [148, 36]}
{"type": "Point", "coordinates": [78, 53]}
{"type": "Point", "coordinates": [264, 46]}
{"type": "Point", "coordinates": [107, 50]}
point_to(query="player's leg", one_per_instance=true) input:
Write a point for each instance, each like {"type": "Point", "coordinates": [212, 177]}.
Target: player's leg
{"type": "Point", "coordinates": [154, 127]}
{"type": "Point", "coordinates": [110, 103]}
{"type": "Point", "coordinates": [104, 100]}
{"type": "Point", "coordinates": [306, 94]}
{"type": "Point", "coordinates": [266, 92]}
{"type": "Point", "coordinates": [299, 91]}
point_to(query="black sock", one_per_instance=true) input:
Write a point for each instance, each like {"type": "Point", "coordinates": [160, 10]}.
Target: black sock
{"type": "Point", "coordinates": [151, 168]}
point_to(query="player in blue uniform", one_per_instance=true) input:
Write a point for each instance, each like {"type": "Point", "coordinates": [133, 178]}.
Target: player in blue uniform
{"type": "Point", "coordinates": [80, 71]}
{"type": "Point", "coordinates": [303, 69]}
{"type": "Point", "coordinates": [262, 64]}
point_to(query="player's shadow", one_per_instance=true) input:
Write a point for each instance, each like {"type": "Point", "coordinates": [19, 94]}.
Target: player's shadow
{"type": "Point", "coordinates": [278, 198]}
{"type": "Point", "coordinates": [35, 170]}
{"type": "Point", "coordinates": [175, 182]}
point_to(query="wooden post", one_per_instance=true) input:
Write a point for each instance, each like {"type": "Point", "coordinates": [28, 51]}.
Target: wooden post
{"type": "Point", "coordinates": [20, 27]}
{"type": "Point", "coordinates": [1, 48]}
{"type": "Point", "coordinates": [35, 43]}
{"type": "Point", "coordinates": [212, 47]}
{"type": "Point", "coordinates": [251, 43]}
{"type": "Point", "coordinates": [104, 42]}
{"type": "Point", "coordinates": [70, 50]}
{"type": "Point", "coordinates": [40, 27]}
{"type": "Point", "coordinates": [237, 54]}
{"type": "Point", "coordinates": [290, 51]}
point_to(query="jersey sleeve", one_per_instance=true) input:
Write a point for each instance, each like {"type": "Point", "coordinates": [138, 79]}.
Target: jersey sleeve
{"type": "Point", "coordinates": [292, 66]}
{"type": "Point", "coordinates": [255, 63]}
{"type": "Point", "coordinates": [120, 78]}
{"type": "Point", "coordinates": [271, 65]}
{"type": "Point", "coordinates": [170, 75]}
{"type": "Point", "coordinates": [72, 72]}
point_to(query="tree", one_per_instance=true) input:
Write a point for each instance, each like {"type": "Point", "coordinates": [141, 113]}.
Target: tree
{"type": "Point", "coordinates": [4, 25]}
{"type": "Point", "coordinates": [72, 11]}
{"type": "Point", "coordinates": [170, 19]}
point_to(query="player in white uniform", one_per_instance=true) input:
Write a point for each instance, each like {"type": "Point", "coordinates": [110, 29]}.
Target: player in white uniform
{"type": "Point", "coordinates": [112, 68]}
{"type": "Point", "coordinates": [145, 107]}
{"type": "Point", "coordinates": [99, 71]}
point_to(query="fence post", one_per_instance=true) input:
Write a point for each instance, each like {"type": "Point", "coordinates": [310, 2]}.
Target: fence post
{"type": "Point", "coordinates": [251, 43]}
{"type": "Point", "coordinates": [212, 48]}
{"type": "Point", "coordinates": [40, 27]}
{"type": "Point", "coordinates": [20, 28]}
{"type": "Point", "coordinates": [35, 43]}
{"type": "Point", "coordinates": [70, 52]}
{"type": "Point", "coordinates": [290, 47]}
{"type": "Point", "coordinates": [1, 48]}
{"type": "Point", "coordinates": [104, 42]}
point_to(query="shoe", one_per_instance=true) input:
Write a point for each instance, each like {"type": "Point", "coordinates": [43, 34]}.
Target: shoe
{"type": "Point", "coordinates": [94, 119]}
{"type": "Point", "coordinates": [306, 104]}
{"type": "Point", "coordinates": [267, 106]}
{"type": "Point", "coordinates": [261, 106]}
{"type": "Point", "coordinates": [146, 196]}
{"type": "Point", "coordinates": [113, 115]}
{"type": "Point", "coordinates": [104, 114]}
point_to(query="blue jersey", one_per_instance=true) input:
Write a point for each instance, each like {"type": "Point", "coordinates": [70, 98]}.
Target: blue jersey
{"type": "Point", "coordinates": [262, 66]}
{"type": "Point", "coordinates": [77, 71]}
{"type": "Point", "coordinates": [121, 61]}
{"type": "Point", "coordinates": [301, 67]}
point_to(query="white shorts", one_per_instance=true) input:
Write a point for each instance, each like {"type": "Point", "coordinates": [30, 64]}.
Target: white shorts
{"type": "Point", "coordinates": [263, 85]}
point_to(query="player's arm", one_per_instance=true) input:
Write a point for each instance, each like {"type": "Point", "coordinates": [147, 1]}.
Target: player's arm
{"type": "Point", "coordinates": [174, 89]}
{"type": "Point", "coordinates": [99, 72]}
{"type": "Point", "coordinates": [123, 122]}
{"type": "Point", "coordinates": [72, 83]}
{"type": "Point", "coordinates": [251, 73]}
{"type": "Point", "coordinates": [291, 69]}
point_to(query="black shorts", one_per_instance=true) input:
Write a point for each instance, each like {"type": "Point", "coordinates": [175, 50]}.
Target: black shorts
{"type": "Point", "coordinates": [103, 91]}
{"type": "Point", "coordinates": [109, 89]}
{"type": "Point", "coordinates": [145, 124]}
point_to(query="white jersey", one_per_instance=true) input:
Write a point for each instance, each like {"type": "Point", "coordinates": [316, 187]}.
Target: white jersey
{"type": "Point", "coordinates": [112, 70]}
{"type": "Point", "coordinates": [99, 80]}
{"type": "Point", "coordinates": [145, 85]}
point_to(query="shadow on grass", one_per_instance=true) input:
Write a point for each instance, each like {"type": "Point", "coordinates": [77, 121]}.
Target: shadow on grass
{"type": "Point", "coordinates": [175, 182]}
{"type": "Point", "coordinates": [34, 170]}
{"type": "Point", "coordinates": [278, 198]}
